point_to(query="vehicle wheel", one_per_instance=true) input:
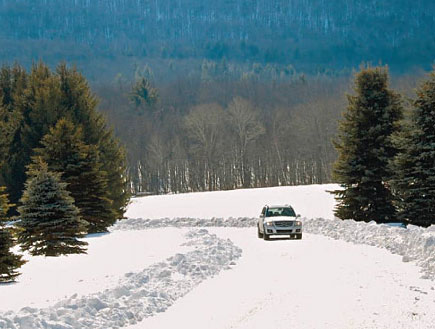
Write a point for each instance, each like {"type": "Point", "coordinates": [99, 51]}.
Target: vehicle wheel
{"type": "Point", "coordinates": [299, 236]}
{"type": "Point", "coordinates": [259, 234]}
{"type": "Point", "coordinates": [266, 236]}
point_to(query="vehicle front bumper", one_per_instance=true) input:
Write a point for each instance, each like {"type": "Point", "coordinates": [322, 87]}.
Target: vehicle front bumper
{"type": "Point", "coordinates": [273, 230]}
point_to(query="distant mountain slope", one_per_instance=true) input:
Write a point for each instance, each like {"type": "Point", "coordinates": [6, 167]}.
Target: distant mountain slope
{"type": "Point", "coordinates": [333, 34]}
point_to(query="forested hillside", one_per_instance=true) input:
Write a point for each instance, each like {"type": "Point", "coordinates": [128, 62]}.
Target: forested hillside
{"type": "Point", "coordinates": [225, 133]}
{"type": "Point", "coordinates": [313, 35]}
{"type": "Point", "coordinates": [209, 95]}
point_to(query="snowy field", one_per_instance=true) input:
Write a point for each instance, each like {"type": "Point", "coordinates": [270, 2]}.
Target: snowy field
{"type": "Point", "coordinates": [193, 260]}
{"type": "Point", "coordinates": [309, 201]}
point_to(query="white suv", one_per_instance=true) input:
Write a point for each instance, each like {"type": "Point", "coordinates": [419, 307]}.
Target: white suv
{"type": "Point", "coordinates": [279, 220]}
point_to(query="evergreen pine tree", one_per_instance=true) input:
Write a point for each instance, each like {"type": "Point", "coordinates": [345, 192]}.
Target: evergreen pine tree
{"type": "Point", "coordinates": [79, 105]}
{"type": "Point", "coordinates": [9, 122]}
{"type": "Point", "coordinates": [93, 194]}
{"type": "Point", "coordinates": [143, 95]}
{"type": "Point", "coordinates": [9, 262]}
{"type": "Point", "coordinates": [364, 149]}
{"type": "Point", "coordinates": [414, 166]}
{"type": "Point", "coordinates": [37, 101]}
{"type": "Point", "coordinates": [113, 161]}
{"type": "Point", "coordinates": [65, 152]}
{"type": "Point", "coordinates": [13, 82]}
{"type": "Point", "coordinates": [50, 222]}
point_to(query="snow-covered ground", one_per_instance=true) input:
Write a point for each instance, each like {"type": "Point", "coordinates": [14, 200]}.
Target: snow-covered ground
{"type": "Point", "coordinates": [47, 280]}
{"type": "Point", "coordinates": [142, 290]}
{"type": "Point", "coordinates": [309, 201]}
{"type": "Point", "coordinates": [194, 260]}
{"type": "Point", "coordinates": [313, 283]}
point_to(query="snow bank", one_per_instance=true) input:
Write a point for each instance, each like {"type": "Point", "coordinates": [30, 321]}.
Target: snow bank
{"type": "Point", "coordinates": [413, 244]}
{"type": "Point", "coordinates": [138, 295]}
{"type": "Point", "coordinates": [141, 224]}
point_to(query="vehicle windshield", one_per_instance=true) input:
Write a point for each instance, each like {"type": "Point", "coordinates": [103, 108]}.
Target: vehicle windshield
{"type": "Point", "coordinates": [282, 211]}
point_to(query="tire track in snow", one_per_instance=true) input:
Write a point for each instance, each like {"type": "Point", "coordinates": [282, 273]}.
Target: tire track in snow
{"type": "Point", "coordinates": [138, 295]}
{"type": "Point", "coordinates": [413, 243]}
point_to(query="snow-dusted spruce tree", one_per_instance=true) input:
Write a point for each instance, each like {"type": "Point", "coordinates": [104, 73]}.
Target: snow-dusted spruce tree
{"type": "Point", "coordinates": [364, 149]}
{"type": "Point", "coordinates": [414, 166]}
{"type": "Point", "coordinates": [64, 150]}
{"type": "Point", "coordinates": [50, 222]}
{"type": "Point", "coordinates": [9, 262]}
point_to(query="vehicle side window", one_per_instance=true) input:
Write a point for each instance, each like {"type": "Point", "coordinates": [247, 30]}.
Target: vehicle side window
{"type": "Point", "coordinates": [263, 211]}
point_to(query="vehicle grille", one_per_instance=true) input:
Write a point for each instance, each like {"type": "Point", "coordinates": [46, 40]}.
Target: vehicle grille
{"type": "Point", "coordinates": [283, 224]}
{"type": "Point", "coordinates": [284, 231]}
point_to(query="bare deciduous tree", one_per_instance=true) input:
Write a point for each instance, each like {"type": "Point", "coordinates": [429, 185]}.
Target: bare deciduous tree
{"type": "Point", "coordinates": [204, 125]}
{"type": "Point", "coordinates": [245, 124]}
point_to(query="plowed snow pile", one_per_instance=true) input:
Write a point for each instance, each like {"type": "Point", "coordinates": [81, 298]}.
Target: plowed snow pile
{"type": "Point", "coordinates": [137, 295]}
{"type": "Point", "coordinates": [413, 243]}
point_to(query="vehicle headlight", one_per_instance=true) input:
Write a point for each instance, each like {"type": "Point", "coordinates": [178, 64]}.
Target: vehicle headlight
{"type": "Point", "coordinates": [298, 223]}
{"type": "Point", "coordinates": [269, 223]}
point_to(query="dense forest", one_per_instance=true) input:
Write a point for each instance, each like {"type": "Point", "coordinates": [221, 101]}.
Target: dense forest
{"type": "Point", "coordinates": [313, 35]}
{"type": "Point", "coordinates": [209, 95]}
{"type": "Point", "coordinates": [196, 133]}
{"type": "Point", "coordinates": [227, 134]}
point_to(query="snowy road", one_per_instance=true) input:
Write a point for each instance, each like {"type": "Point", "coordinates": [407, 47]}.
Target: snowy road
{"type": "Point", "coordinates": [317, 282]}
{"type": "Point", "coordinates": [174, 264]}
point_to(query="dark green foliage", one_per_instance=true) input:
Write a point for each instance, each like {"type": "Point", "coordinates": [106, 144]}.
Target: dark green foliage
{"type": "Point", "coordinates": [365, 148]}
{"type": "Point", "coordinates": [143, 94]}
{"type": "Point", "coordinates": [64, 151]}
{"type": "Point", "coordinates": [50, 222]}
{"type": "Point", "coordinates": [414, 166]}
{"type": "Point", "coordinates": [9, 262]}
{"type": "Point", "coordinates": [93, 194]}
{"type": "Point", "coordinates": [34, 102]}
{"type": "Point", "coordinates": [112, 159]}
{"type": "Point", "coordinates": [13, 82]}
{"type": "Point", "coordinates": [9, 122]}
{"type": "Point", "coordinates": [80, 108]}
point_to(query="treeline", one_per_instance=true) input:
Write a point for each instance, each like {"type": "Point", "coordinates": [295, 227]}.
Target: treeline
{"type": "Point", "coordinates": [294, 118]}
{"type": "Point", "coordinates": [311, 35]}
{"type": "Point", "coordinates": [202, 133]}
{"type": "Point", "coordinates": [59, 162]}
{"type": "Point", "coordinates": [386, 163]}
